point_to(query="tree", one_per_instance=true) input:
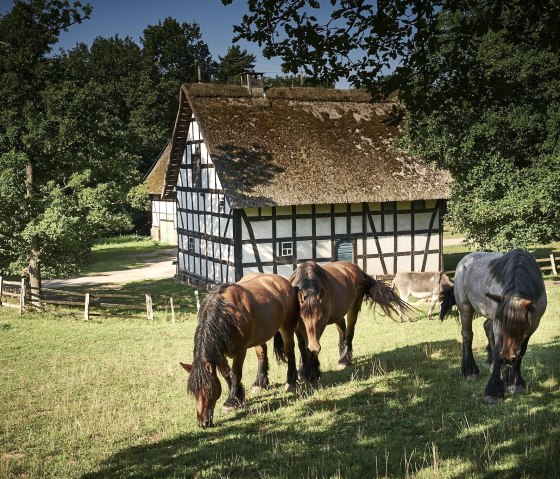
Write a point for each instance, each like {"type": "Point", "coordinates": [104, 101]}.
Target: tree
{"type": "Point", "coordinates": [233, 64]}
{"type": "Point", "coordinates": [65, 167]}
{"type": "Point", "coordinates": [479, 83]}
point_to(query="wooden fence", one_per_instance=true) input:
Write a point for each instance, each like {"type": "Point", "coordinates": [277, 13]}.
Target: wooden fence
{"type": "Point", "coordinates": [88, 304]}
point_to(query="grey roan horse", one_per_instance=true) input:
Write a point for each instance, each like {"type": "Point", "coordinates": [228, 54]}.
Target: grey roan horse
{"type": "Point", "coordinates": [509, 291]}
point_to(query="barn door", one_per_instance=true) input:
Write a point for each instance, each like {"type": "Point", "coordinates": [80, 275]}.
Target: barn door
{"type": "Point", "coordinates": [167, 232]}
{"type": "Point", "coordinates": [344, 250]}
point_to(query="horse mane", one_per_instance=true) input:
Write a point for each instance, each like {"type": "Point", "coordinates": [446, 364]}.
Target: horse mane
{"type": "Point", "coordinates": [212, 338]}
{"type": "Point", "coordinates": [519, 276]}
{"type": "Point", "coordinates": [306, 275]}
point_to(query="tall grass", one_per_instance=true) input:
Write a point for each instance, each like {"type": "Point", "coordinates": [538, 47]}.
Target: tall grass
{"type": "Point", "coordinates": [109, 400]}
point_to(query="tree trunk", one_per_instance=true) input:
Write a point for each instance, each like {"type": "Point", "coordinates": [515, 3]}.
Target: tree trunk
{"type": "Point", "coordinates": [34, 267]}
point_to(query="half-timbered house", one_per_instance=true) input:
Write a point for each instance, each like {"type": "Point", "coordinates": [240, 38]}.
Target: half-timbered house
{"type": "Point", "coordinates": [266, 181]}
{"type": "Point", "coordinates": [164, 212]}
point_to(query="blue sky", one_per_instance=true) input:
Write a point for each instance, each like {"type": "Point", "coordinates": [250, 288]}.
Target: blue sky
{"type": "Point", "coordinates": [130, 17]}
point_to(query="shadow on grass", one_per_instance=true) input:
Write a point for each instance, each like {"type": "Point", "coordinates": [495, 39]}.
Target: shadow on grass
{"type": "Point", "coordinates": [392, 414]}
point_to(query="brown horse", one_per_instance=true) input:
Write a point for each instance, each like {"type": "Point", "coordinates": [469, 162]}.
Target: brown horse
{"type": "Point", "coordinates": [326, 294]}
{"type": "Point", "coordinates": [233, 318]}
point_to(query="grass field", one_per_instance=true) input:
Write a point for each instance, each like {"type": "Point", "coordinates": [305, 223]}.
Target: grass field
{"type": "Point", "coordinates": [125, 252]}
{"type": "Point", "coordinates": [105, 400]}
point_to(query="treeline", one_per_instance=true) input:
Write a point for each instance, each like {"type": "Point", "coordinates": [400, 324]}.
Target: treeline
{"type": "Point", "coordinates": [80, 128]}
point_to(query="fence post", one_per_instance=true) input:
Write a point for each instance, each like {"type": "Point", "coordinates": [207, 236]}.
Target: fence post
{"type": "Point", "coordinates": [172, 310]}
{"type": "Point", "coordinates": [149, 308]}
{"type": "Point", "coordinates": [553, 264]}
{"type": "Point", "coordinates": [197, 300]}
{"type": "Point", "coordinates": [1, 284]}
{"type": "Point", "coordinates": [86, 308]}
{"type": "Point", "coordinates": [22, 296]}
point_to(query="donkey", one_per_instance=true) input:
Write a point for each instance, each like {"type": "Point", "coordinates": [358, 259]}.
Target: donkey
{"type": "Point", "coordinates": [431, 285]}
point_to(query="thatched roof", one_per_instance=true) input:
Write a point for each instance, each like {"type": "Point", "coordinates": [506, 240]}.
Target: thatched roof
{"type": "Point", "coordinates": [306, 146]}
{"type": "Point", "coordinates": [155, 179]}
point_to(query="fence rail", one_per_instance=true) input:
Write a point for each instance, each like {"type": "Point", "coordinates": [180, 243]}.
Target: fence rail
{"type": "Point", "coordinates": [88, 304]}
{"type": "Point", "coordinates": [19, 295]}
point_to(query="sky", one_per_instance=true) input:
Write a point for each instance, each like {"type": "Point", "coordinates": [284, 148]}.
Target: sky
{"type": "Point", "coordinates": [130, 17]}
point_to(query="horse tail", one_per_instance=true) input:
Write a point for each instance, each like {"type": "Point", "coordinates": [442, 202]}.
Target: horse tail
{"type": "Point", "coordinates": [377, 292]}
{"type": "Point", "coordinates": [279, 352]}
{"type": "Point", "coordinates": [447, 303]}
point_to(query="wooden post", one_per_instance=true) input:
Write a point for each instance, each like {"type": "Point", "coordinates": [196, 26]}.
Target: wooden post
{"type": "Point", "coordinates": [553, 264]}
{"type": "Point", "coordinates": [149, 308]}
{"type": "Point", "coordinates": [86, 308]}
{"type": "Point", "coordinates": [1, 284]}
{"type": "Point", "coordinates": [172, 310]}
{"type": "Point", "coordinates": [197, 300]}
{"type": "Point", "coordinates": [22, 296]}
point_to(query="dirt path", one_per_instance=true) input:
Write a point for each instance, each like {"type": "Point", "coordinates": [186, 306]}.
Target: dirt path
{"type": "Point", "coordinates": [452, 241]}
{"type": "Point", "coordinates": [157, 270]}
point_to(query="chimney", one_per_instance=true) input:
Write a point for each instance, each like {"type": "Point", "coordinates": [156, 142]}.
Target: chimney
{"type": "Point", "coordinates": [253, 81]}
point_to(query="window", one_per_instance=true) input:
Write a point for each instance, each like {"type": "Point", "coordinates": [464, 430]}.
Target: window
{"type": "Point", "coordinates": [344, 250]}
{"type": "Point", "coordinates": [286, 248]}
{"type": "Point", "coordinates": [191, 244]}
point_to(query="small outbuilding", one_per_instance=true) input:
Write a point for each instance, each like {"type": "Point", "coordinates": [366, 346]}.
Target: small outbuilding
{"type": "Point", "coordinates": [264, 181]}
{"type": "Point", "coordinates": [164, 211]}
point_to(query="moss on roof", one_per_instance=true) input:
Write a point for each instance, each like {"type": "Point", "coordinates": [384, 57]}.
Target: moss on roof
{"type": "Point", "coordinates": [155, 179]}
{"type": "Point", "coordinates": [309, 146]}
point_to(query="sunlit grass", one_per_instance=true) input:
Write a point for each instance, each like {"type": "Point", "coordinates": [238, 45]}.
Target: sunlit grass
{"type": "Point", "coordinates": [96, 400]}
{"type": "Point", "coordinates": [125, 252]}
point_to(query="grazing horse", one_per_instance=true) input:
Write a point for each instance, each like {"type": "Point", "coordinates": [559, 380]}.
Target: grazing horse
{"type": "Point", "coordinates": [508, 290]}
{"type": "Point", "coordinates": [233, 318]}
{"type": "Point", "coordinates": [327, 293]}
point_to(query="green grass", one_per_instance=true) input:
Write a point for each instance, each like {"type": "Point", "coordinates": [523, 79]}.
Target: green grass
{"type": "Point", "coordinates": [90, 400]}
{"type": "Point", "coordinates": [125, 252]}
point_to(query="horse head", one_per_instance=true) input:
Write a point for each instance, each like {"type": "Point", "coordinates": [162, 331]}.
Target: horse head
{"type": "Point", "coordinates": [513, 317]}
{"type": "Point", "coordinates": [205, 386]}
{"type": "Point", "coordinates": [313, 316]}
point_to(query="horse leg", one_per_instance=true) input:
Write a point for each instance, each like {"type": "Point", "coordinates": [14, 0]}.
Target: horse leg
{"type": "Point", "coordinates": [515, 383]}
{"type": "Point", "coordinates": [488, 327]}
{"type": "Point", "coordinates": [237, 393]}
{"type": "Point", "coordinates": [494, 392]}
{"type": "Point", "coordinates": [309, 368]}
{"type": "Point", "coordinates": [289, 351]}
{"type": "Point", "coordinates": [261, 381]}
{"type": "Point", "coordinates": [342, 348]}
{"type": "Point", "coordinates": [351, 318]}
{"type": "Point", "coordinates": [225, 371]}
{"type": "Point", "coordinates": [468, 365]}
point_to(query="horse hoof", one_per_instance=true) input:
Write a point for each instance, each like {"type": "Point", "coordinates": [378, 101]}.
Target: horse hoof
{"type": "Point", "coordinates": [492, 400]}
{"type": "Point", "coordinates": [515, 389]}
{"type": "Point", "coordinates": [256, 390]}
{"type": "Point", "coordinates": [472, 377]}
{"type": "Point", "coordinates": [341, 366]}
{"type": "Point", "coordinates": [289, 388]}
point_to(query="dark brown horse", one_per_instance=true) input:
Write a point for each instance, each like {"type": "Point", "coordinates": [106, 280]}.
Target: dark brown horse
{"type": "Point", "coordinates": [233, 318]}
{"type": "Point", "coordinates": [328, 292]}
{"type": "Point", "coordinates": [509, 291]}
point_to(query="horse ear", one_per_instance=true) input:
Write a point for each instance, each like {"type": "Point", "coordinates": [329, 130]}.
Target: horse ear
{"type": "Point", "coordinates": [525, 303]}
{"type": "Point", "coordinates": [188, 367]}
{"type": "Point", "coordinates": [321, 294]}
{"type": "Point", "coordinates": [495, 297]}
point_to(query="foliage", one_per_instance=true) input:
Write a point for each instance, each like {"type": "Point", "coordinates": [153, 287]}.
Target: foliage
{"type": "Point", "coordinates": [79, 128]}
{"type": "Point", "coordinates": [233, 64]}
{"type": "Point", "coordinates": [109, 400]}
{"type": "Point", "coordinates": [479, 80]}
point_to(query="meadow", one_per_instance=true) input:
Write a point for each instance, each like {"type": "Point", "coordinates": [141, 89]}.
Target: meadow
{"type": "Point", "coordinates": [108, 399]}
